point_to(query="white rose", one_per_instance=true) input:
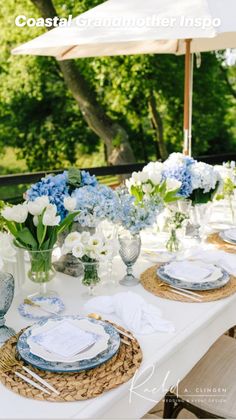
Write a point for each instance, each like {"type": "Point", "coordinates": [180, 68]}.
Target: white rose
{"type": "Point", "coordinates": [72, 239]}
{"type": "Point", "coordinates": [172, 184]}
{"type": "Point", "coordinates": [50, 218]}
{"type": "Point", "coordinates": [78, 251]}
{"type": "Point", "coordinates": [85, 236]}
{"type": "Point", "coordinates": [18, 213]}
{"type": "Point", "coordinates": [37, 206]}
{"type": "Point", "coordinates": [155, 177]}
{"type": "Point", "coordinates": [70, 203]}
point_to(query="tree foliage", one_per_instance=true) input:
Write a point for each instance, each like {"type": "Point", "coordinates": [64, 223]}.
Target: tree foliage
{"type": "Point", "coordinates": [40, 117]}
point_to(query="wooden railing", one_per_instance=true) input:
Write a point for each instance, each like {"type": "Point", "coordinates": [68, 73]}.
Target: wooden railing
{"type": "Point", "coordinates": [29, 178]}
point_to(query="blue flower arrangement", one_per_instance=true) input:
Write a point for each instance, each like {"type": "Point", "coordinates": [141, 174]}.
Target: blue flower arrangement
{"type": "Point", "coordinates": [57, 187]}
{"type": "Point", "coordinates": [96, 203]}
{"type": "Point", "coordinates": [178, 166]}
{"type": "Point", "coordinates": [136, 216]}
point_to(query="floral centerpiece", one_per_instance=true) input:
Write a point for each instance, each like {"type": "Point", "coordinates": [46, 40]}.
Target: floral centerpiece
{"type": "Point", "coordinates": [227, 185]}
{"type": "Point", "coordinates": [150, 184]}
{"type": "Point", "coordinates": [199, 181]}
{"type": "Point", "coordinates": [35, 226]}
{"type": "Point", "coordinates": [90, 250]}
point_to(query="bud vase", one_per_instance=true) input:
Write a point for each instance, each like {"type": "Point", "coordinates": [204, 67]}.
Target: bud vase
{"type": "Point", "coordinates": [91, 275]}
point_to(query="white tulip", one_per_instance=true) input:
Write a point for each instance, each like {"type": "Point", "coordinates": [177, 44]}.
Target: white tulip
{"type": "Point", "coordinates": [7, 213]}
{"type": "Point", "coordinates": [172, 184]}
{"type": "Point", "coordinates": [35, 220]}
{"type": "Point", "coordinates": [72, 239]}
{"type": "Point", "coordinates": [147, 188]}
{"type": "Point", "coordinates": [37, 206]}
{"type": "Point", "coordinates": [153, 167]}
{"type": "Point", "coordinates": [70, 203]}
{"type": "Point", "coordinates": [155, 177]}
{"type": "Point", "coordinates": [140, 177]}
{"type": "Point", "coordinates": [78, 251]}
{"type": "Point", "coordinates": [50, 218]}
{"type": "Point", "coordinates": [18, 213]}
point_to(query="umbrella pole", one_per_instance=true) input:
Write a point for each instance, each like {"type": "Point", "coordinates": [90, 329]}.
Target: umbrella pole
{"type": "Point", "coordinates": [191, 105]}
{"type": "Point", "coordinates": [186, 150]}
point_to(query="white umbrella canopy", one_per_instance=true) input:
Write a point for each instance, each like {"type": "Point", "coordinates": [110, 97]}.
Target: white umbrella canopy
{"type": "Point", "coordinates": [123, 27]}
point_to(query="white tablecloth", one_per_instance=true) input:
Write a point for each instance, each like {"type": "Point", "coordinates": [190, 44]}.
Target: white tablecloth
{"type": "Point", "coordinates": [167, 357]}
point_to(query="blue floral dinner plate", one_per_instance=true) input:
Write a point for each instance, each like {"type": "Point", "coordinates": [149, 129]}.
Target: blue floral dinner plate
{"type": "Point", "coordinates": [113, 346]}
{"type": "Point", "coordinates": [208, 285]}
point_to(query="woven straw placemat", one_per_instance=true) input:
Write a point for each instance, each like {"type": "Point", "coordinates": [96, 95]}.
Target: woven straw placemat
{"type": "Point", "coordinates": [77, 386]}
{"type": "Point", "coordinates": [216, 240]}
{"type": "Point", "coordinates": [153, 284]}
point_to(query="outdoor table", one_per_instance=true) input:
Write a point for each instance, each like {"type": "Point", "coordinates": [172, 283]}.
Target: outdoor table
{"type": "Point", "coordinates": [167, 357]}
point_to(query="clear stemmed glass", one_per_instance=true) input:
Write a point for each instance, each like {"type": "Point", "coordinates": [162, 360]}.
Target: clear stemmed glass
{"type": "Point", "coordinates": [109, 231]}
{"type": "Point", "coordinates": [6, 297]}
{"type": "Point", "coordinates": [130, 245]}
{"type": "Point", "coordinates": [200, 216]}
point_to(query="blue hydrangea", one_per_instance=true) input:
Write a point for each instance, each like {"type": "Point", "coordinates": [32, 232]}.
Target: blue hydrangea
{"type": "Point", "coordinates": [88, 179]}
{"type": "Point", "coordinates": [178, 166]}
{"type": "Point", "coordinates": [136, 216]}
{"type": "Point", "coordinates": [55, 187]}
{"type": "Point", "coordinates": [96, 203]}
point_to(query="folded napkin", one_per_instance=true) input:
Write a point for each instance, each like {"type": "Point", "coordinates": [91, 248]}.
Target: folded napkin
{"type": "Point", "coordinates": [64, 339]}
{"type": "Point", "coordinates": [220, 258]}
{"type": "Point", "coordinates": [136, 314]}
{"type": "Point", "coordinates": [192, 271]}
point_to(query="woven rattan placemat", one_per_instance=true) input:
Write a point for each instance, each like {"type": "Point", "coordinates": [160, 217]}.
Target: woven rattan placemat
{"type": "Point", "coordinates": [77, 386]}
{"type": "Point", "coordinates": [153, 284]}
{"type": "Point", "coordinates": [216, 240]}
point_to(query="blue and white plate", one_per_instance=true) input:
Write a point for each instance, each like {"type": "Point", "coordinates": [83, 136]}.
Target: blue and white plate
{"type": "Point", "coordinates": [53, 304]}
{"type": "Point", "coordinates": [229, 236]}
{"type": "Point", "coordinates": [207, 285]}
{"type": "Point", "coordinates": [78, 366]}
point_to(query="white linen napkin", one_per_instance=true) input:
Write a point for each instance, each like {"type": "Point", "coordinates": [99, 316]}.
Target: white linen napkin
{"type": "Point", "coordinates": [136, 314]}
{"type": "Point", "coordinates": [220, 258]}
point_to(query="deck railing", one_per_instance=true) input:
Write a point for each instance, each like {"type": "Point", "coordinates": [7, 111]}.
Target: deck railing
{"type": "Point", "coordinates": [26, 179]}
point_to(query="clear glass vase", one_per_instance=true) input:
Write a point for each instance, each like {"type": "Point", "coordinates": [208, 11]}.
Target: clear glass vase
{"type": "Point", "coordinates": [6, 297]}
{"type": "Point", "coordinates": [91, 275]}
{"type": "Point", "coordinates": [41, 271]}
{"type": "Point", "coordinates": [130, 245]}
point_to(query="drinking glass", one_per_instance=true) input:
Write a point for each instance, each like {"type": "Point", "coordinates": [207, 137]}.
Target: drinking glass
{"type": "Point", "coordinates": [130, 245]}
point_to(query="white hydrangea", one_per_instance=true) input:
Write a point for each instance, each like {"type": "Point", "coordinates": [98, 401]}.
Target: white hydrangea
{"type": "Point", "coordinates": [204, 176]}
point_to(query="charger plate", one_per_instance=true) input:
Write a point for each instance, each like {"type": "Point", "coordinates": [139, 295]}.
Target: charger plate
{"type": "Point", "coordinates": [216, 240]}
{"type": "Point", "coordinates": [81, 385]}
{"type": "Point", "coordinates": [153, 284]}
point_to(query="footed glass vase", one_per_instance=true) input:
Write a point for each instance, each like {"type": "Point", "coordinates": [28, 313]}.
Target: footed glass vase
{"type": "Point", "coordinates": [130, 245]}
{"type": "Point", "coordinates": [41, 271]}
{"type": "Point", "coordinates": [91, 275]}
{"type": "Point", "coordinates": [7, 286]}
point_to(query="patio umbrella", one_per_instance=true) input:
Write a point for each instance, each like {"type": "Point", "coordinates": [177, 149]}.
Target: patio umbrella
{"type": "Point", "coordinates": [123, 27]}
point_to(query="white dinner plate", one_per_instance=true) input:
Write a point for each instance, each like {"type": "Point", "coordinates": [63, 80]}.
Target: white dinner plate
{"type": "Point", "coordinates": [100, 336]}
{"type": "Point", "coordinates": [193, 271]}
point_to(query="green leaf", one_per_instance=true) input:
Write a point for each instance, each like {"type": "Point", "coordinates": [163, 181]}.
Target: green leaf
{"type": "Point", "coordinates": [25, 237]}
{"type": "Point", "coordinates": [74, 178]}
{"type": "Point", "coordinates": [67, 222]}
